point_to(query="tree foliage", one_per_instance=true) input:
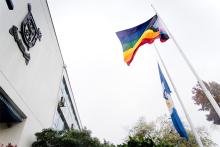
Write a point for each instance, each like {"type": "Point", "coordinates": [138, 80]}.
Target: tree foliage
{"type": "Point", "coordinates": [69, 138]}
{"type": "Point", "coordinates": [160, 133]}
{"type": "Point", "coordinates": [200, 99]}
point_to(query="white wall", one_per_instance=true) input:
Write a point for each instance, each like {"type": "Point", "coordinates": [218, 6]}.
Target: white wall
{"type": "Point", "coordinates": [33, 87]}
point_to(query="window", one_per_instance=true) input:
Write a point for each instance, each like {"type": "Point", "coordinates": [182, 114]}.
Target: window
{"type": "Point", "coordinates": [65, 116]}
{"type": "Point", "coordinates": [60, 121]}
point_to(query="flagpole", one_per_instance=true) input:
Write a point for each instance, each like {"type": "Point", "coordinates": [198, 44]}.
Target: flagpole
{"type": "Point", "coordinates": [201, 83]}
{"type": "Point", "coordinates": [178, 97]}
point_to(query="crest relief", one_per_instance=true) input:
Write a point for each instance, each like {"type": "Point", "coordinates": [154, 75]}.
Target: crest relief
{"type": "Point", "coordinates": [29, 33]}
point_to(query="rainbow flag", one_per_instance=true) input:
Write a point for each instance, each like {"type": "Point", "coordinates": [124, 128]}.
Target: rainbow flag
{"type": "Point", "coordinates": [131, 39]}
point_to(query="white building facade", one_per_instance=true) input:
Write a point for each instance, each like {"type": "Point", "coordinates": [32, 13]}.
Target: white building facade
{"type": "Point", "coordinates": [35, 91]}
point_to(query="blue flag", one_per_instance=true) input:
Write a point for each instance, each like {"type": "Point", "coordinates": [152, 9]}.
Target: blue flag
{"type": "Point", "coordinates": [174, 115]}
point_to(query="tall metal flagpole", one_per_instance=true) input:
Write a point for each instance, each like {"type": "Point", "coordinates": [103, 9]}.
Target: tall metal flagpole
{"type": "Point", "coordinates": [178, 97]}
{"type": "Point", "coordinates": [205, 90]}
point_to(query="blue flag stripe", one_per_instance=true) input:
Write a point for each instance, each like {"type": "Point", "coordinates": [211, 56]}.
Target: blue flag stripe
{"type": "Point", "coordinates": [164, 83]}
{"type": "Point", "coordinates": [174, 115]}
{"type": "Point", "coordinates": [178, 124]}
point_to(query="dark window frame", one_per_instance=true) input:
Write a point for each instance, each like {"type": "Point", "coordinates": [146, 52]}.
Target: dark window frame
{"type": "Point", "coordinates": [71, 103]}
{"type": "Point", "coordinates": [10, 4]}
{"type": "Point", "coordinates": [62, 118]}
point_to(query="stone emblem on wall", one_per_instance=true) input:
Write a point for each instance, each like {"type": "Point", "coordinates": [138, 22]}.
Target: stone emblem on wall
{"type": "Point", "coordinates": [29, 34]}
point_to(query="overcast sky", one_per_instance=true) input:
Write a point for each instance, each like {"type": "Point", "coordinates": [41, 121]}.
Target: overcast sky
{"type": "Point", "coordinates": [112, 96]}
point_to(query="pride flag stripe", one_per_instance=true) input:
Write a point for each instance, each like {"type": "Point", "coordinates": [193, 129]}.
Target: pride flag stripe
{"type": "Point", "coordinates": [131, 39]}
